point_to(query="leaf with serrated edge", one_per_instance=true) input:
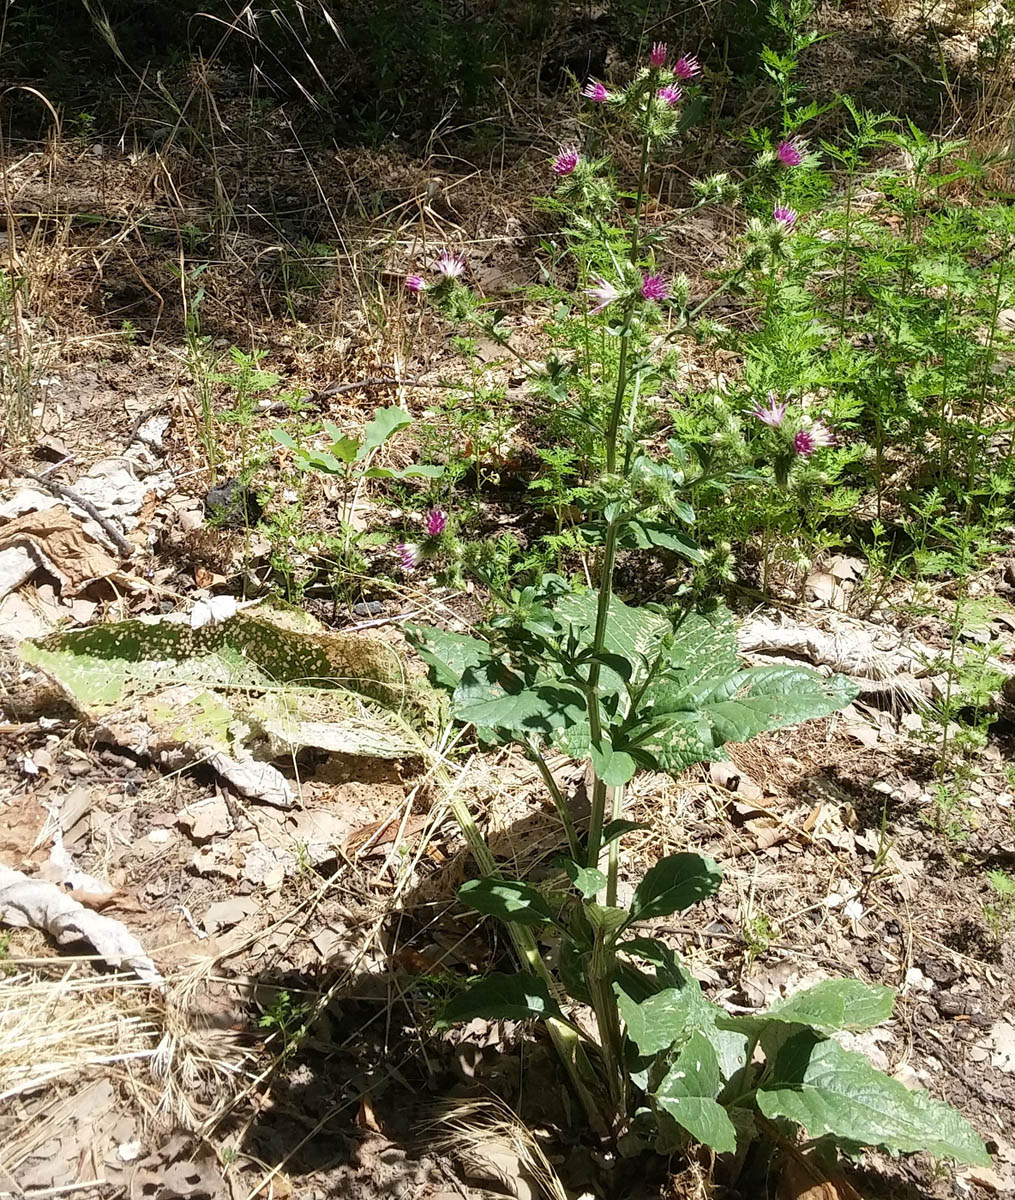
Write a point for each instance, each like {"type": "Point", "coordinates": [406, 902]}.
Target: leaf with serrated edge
{"type": "Point", "coordinates": [631, 633]}
{"type": "Point", "coordinates": [688, 1095]}
{"type": "Point", "coordinates": [835, 1004]}
{"type": "Point", "coordinates": [489, 694]}
{"type": "Point", "coordinates": [447, 654]}
{"type": "Point", "coordinates": [692, 720]}
{"type": "Point", "coordinates": [829, 1090]}
{"type": "Point", "coordinates": [663, 1019]}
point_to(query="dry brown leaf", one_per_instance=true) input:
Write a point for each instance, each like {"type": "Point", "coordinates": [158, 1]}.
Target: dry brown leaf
{"type": "Point", "coordinates": [844, 568]}
{"type": "Point", "coordinates": [986, 1177]}
{"type": "Point", "coordinates": [822, 586]}
{"type": "Point", "coordinates": [733, 779]}
{"type": "Point", "coordinates": [380, 833]}
{"type": "Point", "coordinates": [226, 913]}
{"type": "Point", "coordinates": [41, 905]}
{"type": "Point", "coordinates": [206, 820]}
{"type": "Point", "coordinates": [366, 1118]}
{"type": "Point", "coordinates": [62, 546]}
{"type": "Point", "coordinates": [803, 1180]}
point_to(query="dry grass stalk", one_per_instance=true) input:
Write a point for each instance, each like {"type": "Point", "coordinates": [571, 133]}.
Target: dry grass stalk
{"type": "Point", "coordinates": [489, 1131]}
{"type": "Point", "coordinates": [55, 1028]}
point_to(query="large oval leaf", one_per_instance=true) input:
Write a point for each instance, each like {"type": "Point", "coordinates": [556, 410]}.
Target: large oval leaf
{"type": "Point", "coordinates": [829, 1006]}
{"type": "Point", "coordinates": [500, 996]}
{"type": "Point", "coordinates": [688, 1095]}
{"type": "Point", "coordinates": [673, 884]}
{"type": "Point", "coordinates": [507, 899]}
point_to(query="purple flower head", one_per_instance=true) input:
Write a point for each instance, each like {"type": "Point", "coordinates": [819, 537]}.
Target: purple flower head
{"type": "Point", "coordinates": [790, 153]}
{"type": "Point", "coordinates": [449, 265]}
{"type": "Point", "coordinates": [655, 287]}
{"type": "Point", "coordinates": [785, 216]}
{"type": "Point", "coordinates": [686, 67]}
{"type": "Point", "coordinates": [408, 556]}
{"type": "Point", "coordinates": [658, 56]}
{"type": "Point", "coordinates": [566, 161]}
{"type": "Point", "coordinates": [415, 283]}
{"type": "Point", "coordinates": [435, 522]}
{"type": "Point", "coordinates": [602, 292]}
{"type": "Point", "coordinates": [810, 438]}
{"type": "Point", "coordinates": [595, 91]}
{"type": "Point", "coordinates": [670, 93]}
{"type": "Point", "coordinates": [773, 415]}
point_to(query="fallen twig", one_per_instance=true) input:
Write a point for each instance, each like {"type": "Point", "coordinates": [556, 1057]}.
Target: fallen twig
{"type": "Point", "coordinates": [65, 493]}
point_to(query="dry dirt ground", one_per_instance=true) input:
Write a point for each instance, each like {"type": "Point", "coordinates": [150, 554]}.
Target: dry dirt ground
{"type": "Point", "coordinates": [304, 950]}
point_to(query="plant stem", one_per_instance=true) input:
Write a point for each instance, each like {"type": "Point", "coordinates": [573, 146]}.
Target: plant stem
{"type": "Point", "coordinates": [604, 1002]}
{"type": "Point", "coordinates": [595, 722]}
{"type": "Point", "coordinates": [723, 287]}
{"type": "Point", "coordinates": [612, 532]}
{"type": "Point", "coordinates": [989, 357]}
{"type": "Point", "coordinates": [573, 840]}
{"type": "Point", "coordinates": [847, 246]}
{"type": "Point", "coordinates": [614, 851]}
{"type": "Point", "coordinates": [566, 1039]}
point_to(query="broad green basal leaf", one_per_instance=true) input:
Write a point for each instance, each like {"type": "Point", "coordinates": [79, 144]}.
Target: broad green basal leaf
{"type": "Point", "coordinates": [632, 633]}
{"type": "Point", "coordinates": [659, 1021]}
{"type": "Point", "coordinates": [668, 1017]}
{"type": "Point", "coordinates": [761, 698]}
{"type": "Point", "coordinates": [831, 1091]}
{"type": "Point", "coordinates": [829, 1006]}
{"type": "Point", "coordinates": [447, 654]}
{"type": "Point", "coordinates": [492, 695]}
{"type": "Point", "coordinates": [689, 724]}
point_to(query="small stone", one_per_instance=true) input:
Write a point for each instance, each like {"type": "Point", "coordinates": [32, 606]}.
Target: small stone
{"type": "Point", "coordinates": [191, 519]}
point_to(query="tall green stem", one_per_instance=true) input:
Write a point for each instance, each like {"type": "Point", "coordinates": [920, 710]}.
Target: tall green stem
{"type": "Point", "coordinates": [604, 1003]}
{"type": "Point", "coordinates": [614, 853]}
{"type": "Point", "coordinates": [609, 556]}
{"type": "Point", "coordinates": [573, 841]}
{"type": "Point", "coordinates": [565, 1038]}
{"type": "Point", "coordinates": [847, 237]}
{"type": "Point", "coordinates": [598, 812]}
{"type": "Point", "coordinates": [989, 357]}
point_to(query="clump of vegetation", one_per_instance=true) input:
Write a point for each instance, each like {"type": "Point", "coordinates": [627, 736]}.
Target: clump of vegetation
{"type": "Point", "coordinates": [574, 668]}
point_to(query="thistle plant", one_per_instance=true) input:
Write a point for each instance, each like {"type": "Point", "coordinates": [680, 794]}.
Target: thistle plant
{"type": "Point", "coordinates": [575, 669]}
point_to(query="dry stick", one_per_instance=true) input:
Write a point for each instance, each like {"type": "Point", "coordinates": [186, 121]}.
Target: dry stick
{"type": "Point", "coordinates": [338, 389]}
{"type": "Point", "coordinates": [66, 493]}
{"type": "Point", "coordinates": [65, 1189]}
